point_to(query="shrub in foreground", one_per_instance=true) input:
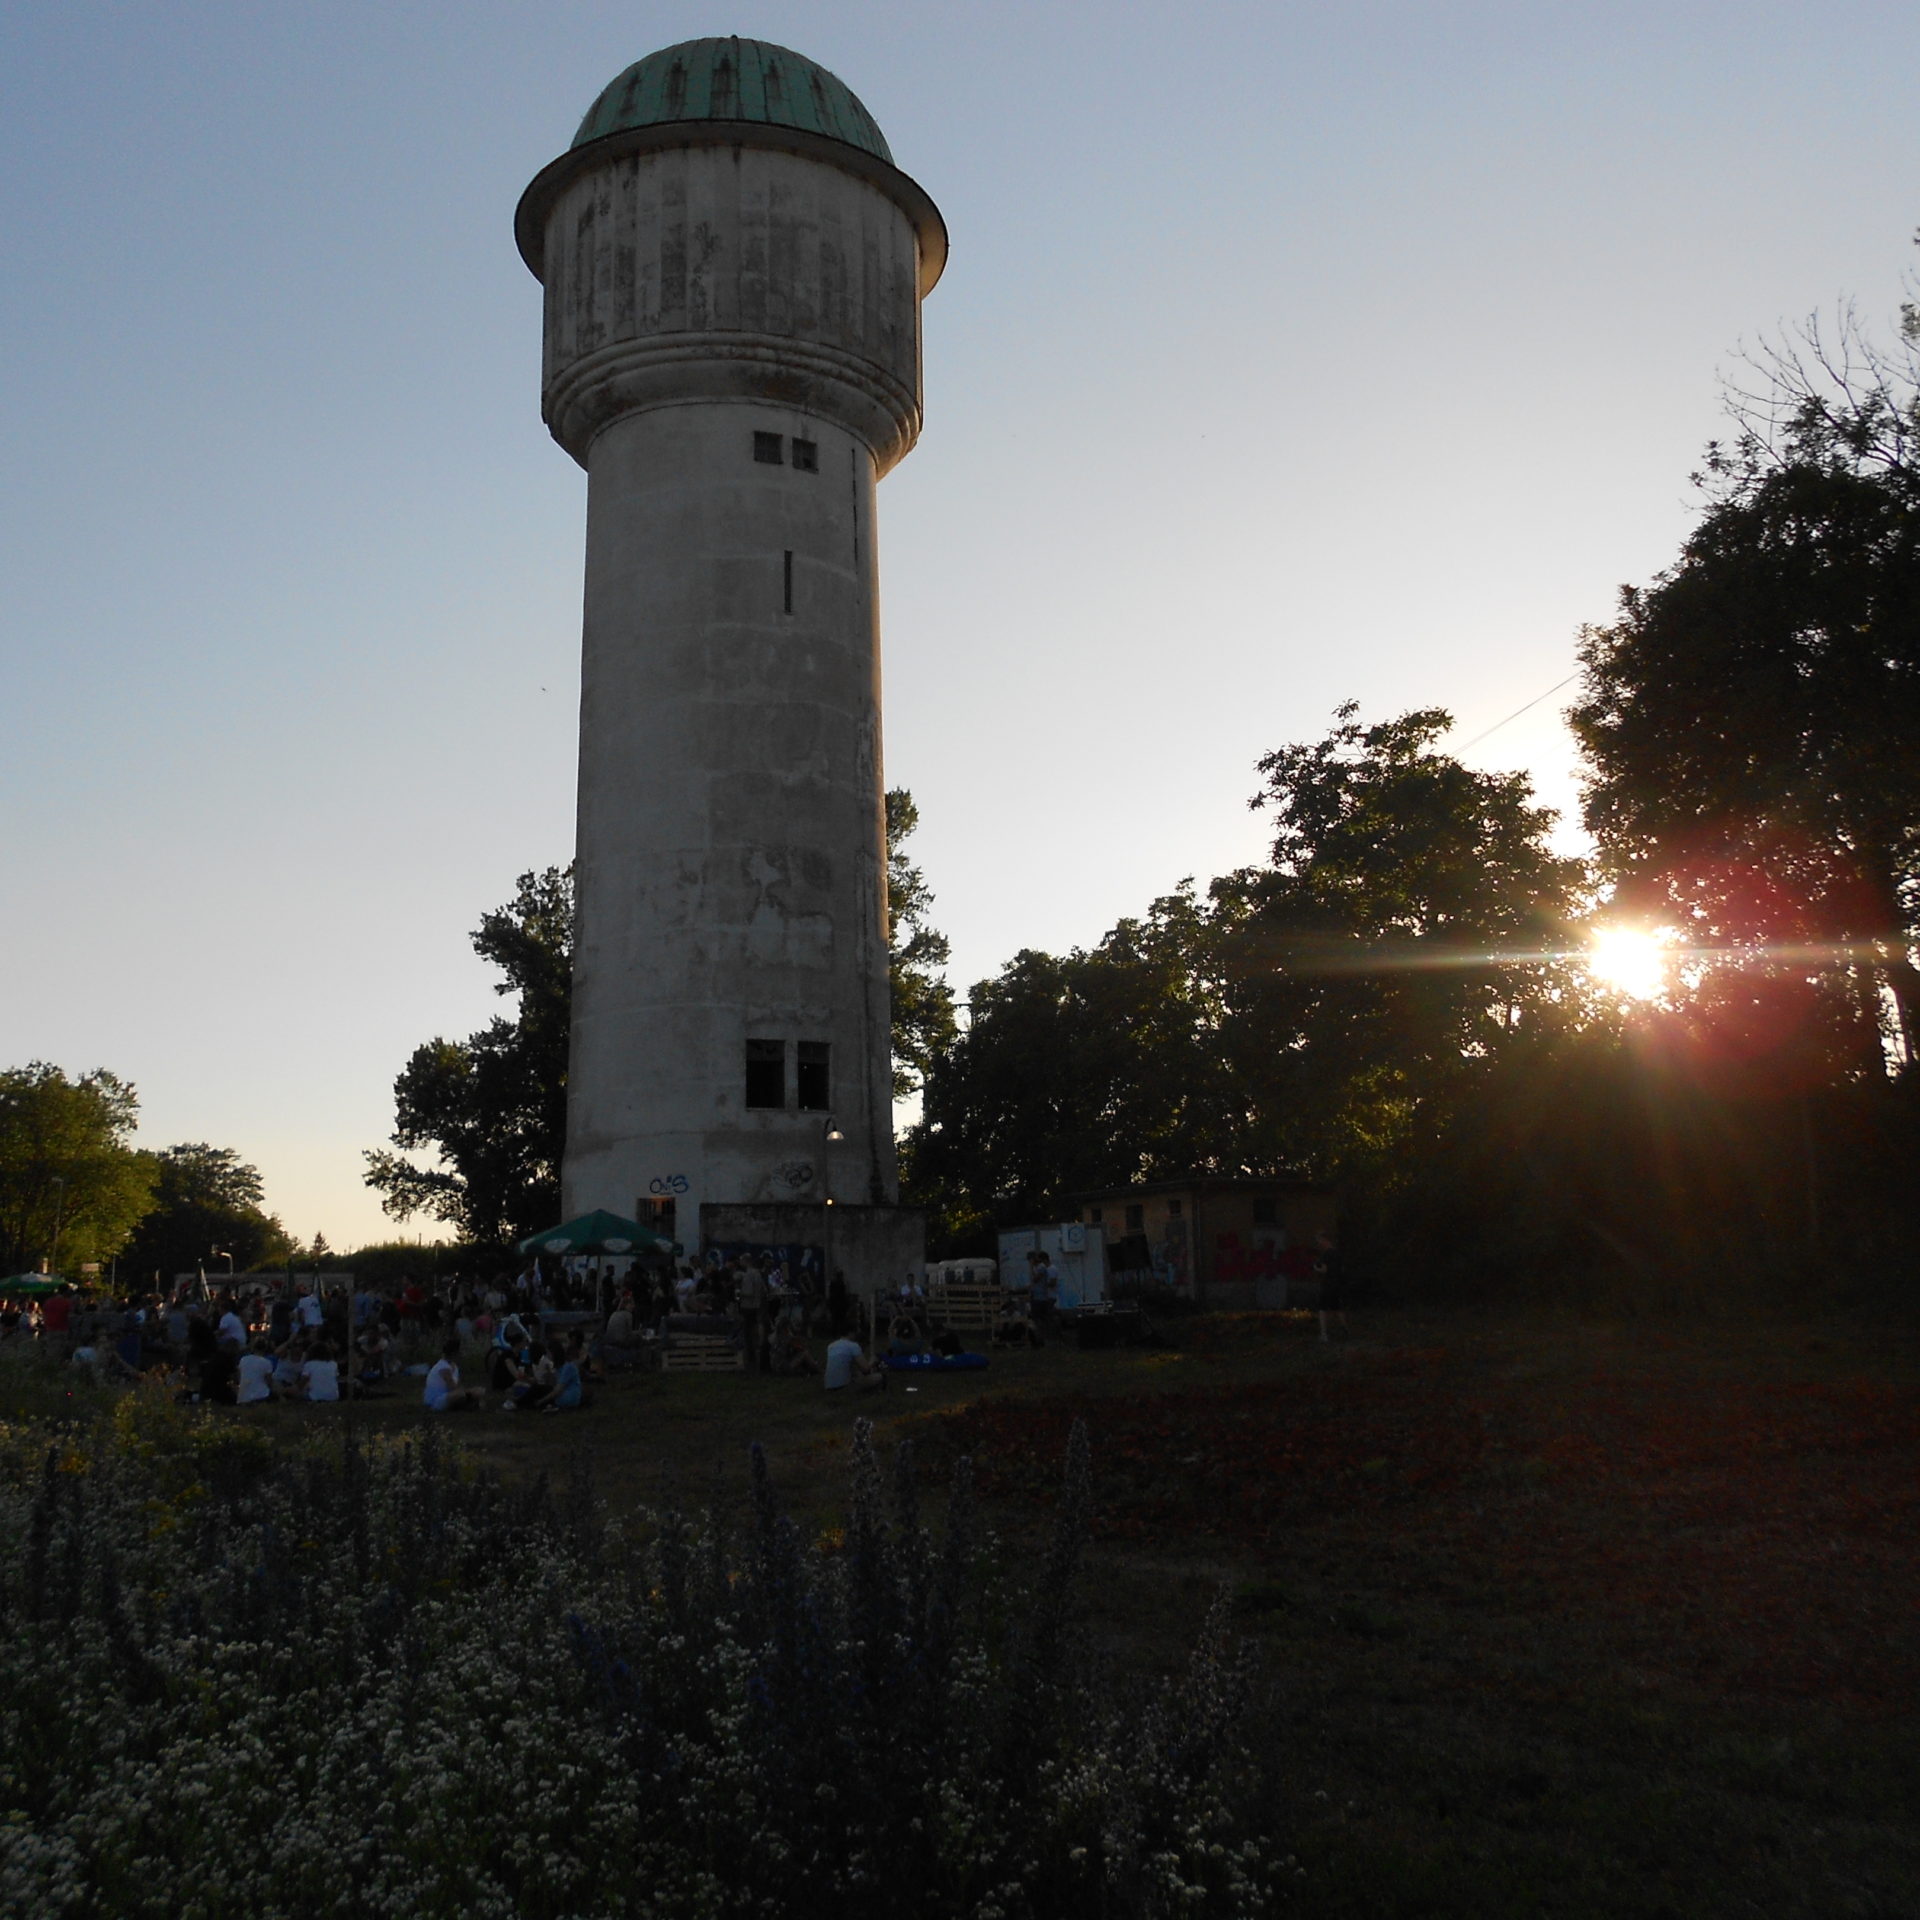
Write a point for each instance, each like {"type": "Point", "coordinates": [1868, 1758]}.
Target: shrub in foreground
{"type": "Point", "coordinates": [376, 1681]}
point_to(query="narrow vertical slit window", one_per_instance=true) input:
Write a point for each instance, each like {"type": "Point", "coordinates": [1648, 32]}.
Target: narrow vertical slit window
{"type": "Point", "coordinates": [786, 581]}
{"type": "Point", "coordinates": [766, 1073]}
{"type": "Point", "coordinates": [815, 1076]}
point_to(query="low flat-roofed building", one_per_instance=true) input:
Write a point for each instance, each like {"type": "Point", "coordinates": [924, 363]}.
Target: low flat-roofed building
{"type": "Point", "coordinates": [1219, 1240]}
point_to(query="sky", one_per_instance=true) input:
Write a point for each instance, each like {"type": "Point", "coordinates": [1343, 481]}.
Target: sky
{"type": "Point", "coordinates": [1286, 355]}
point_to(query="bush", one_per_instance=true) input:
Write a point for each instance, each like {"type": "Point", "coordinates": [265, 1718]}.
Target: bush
{"type": "Point", "coordinates": [370, 1679]}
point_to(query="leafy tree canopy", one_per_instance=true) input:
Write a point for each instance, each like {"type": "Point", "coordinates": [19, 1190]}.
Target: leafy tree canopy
{"type": "Point", "coordinates": [205, 1197]}
{"type": "Point", "coordinates": [492, 1109]}
{"type": "Point", "coordinates": [67, 1170]}
{"type": "Point", "coordinates": [917, 955]}
{"type": "Point", "coordinates": [1305, 1016]}
{"type": "Point", "coordinates": [1412, 919]}
{"type": "Point", "coordinates": [1750, 716]}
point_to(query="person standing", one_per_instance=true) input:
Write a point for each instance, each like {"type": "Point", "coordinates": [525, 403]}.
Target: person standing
{"type": "Point", "coordinates": [751, 1297]}
{"type": "Point", "coordinates": [1333, 1300]}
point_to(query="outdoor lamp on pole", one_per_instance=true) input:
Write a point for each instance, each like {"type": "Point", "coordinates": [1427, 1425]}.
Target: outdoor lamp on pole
{"type": "Point", "coordinates": [59, 1212]}
{"type": "Point", "coordinates": [829, 1133]}
{"type": "Point", "coordinates": [222, 1253]}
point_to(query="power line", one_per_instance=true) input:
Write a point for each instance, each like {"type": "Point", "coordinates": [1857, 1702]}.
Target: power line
{"type": "Point", "coordinates": [1518, 711]}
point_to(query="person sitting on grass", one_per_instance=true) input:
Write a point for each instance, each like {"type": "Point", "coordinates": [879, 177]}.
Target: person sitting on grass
{"type": "Point", "coordinates": [905, 1337]}
{"type": "Point", "coordinates": [289, 1368]}
{"type": "Point", "coordinates": [255, 1372]}
{"type": "Point", "coordinates": [444, 1393]}
{"type": "Point", "coordinates": [371, 1345]}
{"type": "Point", "coordinates": [505, 1366]}
{"type": "Point", "coordinates": [790, 1353]}
{"type": "Point", "coordinates": [320, 1377]}
{"type": "Point", "coordinates": [620, 1344]}
{"type": "Point", "coordinates": [848, 1367]}
{"type": "Point", "coordinates": [218, 1376]}
{"type": "Point", "coordinates": [535, 1385]}
{"type": "Point", "coordinates": [569, 1385]}
{"type": "Point", "coordinates": [1015, 1326]}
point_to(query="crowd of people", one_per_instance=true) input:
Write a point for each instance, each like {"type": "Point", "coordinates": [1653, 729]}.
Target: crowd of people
{"type": "Point", "coordinates": [548, 1332]}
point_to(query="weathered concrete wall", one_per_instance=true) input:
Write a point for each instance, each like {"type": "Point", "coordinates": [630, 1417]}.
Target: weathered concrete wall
{"type": "Point", "coordinates": [731, 857]}
{"type": "Point", "coordinates": [874, 1247]}
{"type": "Point", "coordinates": [706, 272]}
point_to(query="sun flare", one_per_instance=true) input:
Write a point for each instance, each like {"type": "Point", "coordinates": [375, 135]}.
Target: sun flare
{"type": "Point", "coordinates": [1629, 960]}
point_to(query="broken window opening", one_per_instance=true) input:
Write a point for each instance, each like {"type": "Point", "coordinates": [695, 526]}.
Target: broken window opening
{"type": "Point", "coordinates": [766, 1073]}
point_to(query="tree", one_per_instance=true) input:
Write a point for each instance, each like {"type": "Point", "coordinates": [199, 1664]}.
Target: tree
{"type": "Point", "coordinates": [923, 1021]}
{"type": "Point", "coordinates": [1077, 1071]}
{"type": "Point", "coordinates": [1313, 1015]}
{"type": "Point", "coordinates": [1411, 922]}
{"type": "Point", "coordinates": [205, 1197]}
{"type": "Point", "coordinates": [68, 1173]}
{"type": "Point", "coordinates": [493, 1107]}
{"type": "Point", "coordinates": [1753, 711]}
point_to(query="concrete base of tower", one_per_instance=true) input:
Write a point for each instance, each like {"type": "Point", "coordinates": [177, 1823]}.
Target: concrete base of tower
{"type": "Point", "coordinates": [875, 1248]}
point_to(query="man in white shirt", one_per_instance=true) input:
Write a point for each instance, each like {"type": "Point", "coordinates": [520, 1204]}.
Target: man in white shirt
{"type": "Point", "coordinates": [320, 1377]}
{"type": "Point", "coordinates": [256, 1376]}
{"type": "Point", "coordinates": [847, 1366]}
{"type": "Point", "coordinates": [232, 1330]}
{"type": "Point", "coordinates": [444, 1393]}
{"type": "Point", "coordinates": [306, 1310]}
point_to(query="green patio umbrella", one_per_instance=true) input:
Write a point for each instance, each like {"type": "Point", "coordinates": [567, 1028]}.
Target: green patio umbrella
{"type": "Point", "coordinates": [597, 1232]}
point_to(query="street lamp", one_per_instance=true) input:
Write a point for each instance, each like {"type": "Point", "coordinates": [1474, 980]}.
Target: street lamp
{"type": "Point", "coordinates": [829, 1133]}
{"type": "Point", "coordinates": [59, 1213]}
{"type": "Point", "coordinates": [221, 1253]}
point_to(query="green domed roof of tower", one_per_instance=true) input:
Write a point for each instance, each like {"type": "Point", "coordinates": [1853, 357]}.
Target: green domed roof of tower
{"type": "Point", "coordinates": [733, 79]}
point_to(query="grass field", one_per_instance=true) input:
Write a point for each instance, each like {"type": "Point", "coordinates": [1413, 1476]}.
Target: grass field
{"type": "Point", "coordinates": [1555, 1617]}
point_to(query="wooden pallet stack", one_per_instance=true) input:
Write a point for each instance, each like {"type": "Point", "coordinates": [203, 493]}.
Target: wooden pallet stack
{"type": "Point", "coordinates": [702, 1353]}
{"type": "Point", "coordinates": [967, 1307]}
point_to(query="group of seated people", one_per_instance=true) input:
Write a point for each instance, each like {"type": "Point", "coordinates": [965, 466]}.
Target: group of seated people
{"type": "Point", "coordinates": [529, 1376]}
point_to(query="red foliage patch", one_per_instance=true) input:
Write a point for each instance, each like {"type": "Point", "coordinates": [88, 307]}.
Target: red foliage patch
{"type": "Point", "coordinates": [1237, 1461]}
{"type": "Point", "coordinates": [1758, 1535]}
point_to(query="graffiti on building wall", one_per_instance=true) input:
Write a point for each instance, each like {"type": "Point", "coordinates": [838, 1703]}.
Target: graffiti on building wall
{"type": "Point", "coordinates": [1261, 1255]}
{"type": "Point", "coordinates": [1172, 1262]}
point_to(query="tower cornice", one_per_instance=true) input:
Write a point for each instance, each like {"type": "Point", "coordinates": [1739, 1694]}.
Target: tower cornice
{"type": "Point", "coordinates": [546, 187]}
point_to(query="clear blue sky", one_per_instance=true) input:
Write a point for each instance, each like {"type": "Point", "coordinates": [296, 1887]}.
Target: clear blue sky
{"type": "Point", "coordinates": [1286, 354]}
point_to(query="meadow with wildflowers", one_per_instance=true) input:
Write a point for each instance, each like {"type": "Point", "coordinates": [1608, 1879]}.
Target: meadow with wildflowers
{"type": "Point", "coordinates": [1549, 1615]}
{"type": "Point", "coordinates": [362, 1676]}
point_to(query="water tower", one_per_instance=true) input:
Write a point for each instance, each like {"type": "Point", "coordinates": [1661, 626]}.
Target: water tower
{"type": "Point", "coordinates": [733, 269]}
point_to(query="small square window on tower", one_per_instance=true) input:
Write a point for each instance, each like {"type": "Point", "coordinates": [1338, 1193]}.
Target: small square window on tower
{"type": "Point", "coordinates": [766, 449]}
{"type": "Point", "coordinates": [766, 1073]}
{"type": "Point", "coordinates": [806, 455]}
{"type": "Point", "coordinates": [815, 1076]}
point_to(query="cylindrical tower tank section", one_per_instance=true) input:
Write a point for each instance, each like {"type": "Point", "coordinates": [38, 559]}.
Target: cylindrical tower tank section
{"type": "Point", "coordinates": [733, 269]}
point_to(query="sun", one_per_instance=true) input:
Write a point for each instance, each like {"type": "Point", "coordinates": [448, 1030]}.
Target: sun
{"type": "Point", "coordinates": [1629, 960]}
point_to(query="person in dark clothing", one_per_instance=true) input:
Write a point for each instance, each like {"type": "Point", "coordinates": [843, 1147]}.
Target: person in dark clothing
{"type": "Point", "coordinates": [202, 1342]}
{"type": "Point", "coordinates": [219, 1377]}
{"type": "Point", "coordinates": [1333, 1300]}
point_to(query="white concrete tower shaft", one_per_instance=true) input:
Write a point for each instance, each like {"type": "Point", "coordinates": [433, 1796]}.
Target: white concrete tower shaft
{"type": "Point", "coordinates": [733, 355]}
